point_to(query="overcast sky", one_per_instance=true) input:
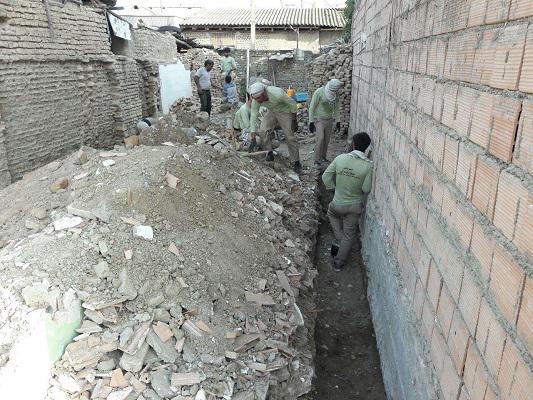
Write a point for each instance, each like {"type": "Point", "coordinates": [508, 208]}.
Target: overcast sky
{"type": "Point", "coordinates": [232, 4]}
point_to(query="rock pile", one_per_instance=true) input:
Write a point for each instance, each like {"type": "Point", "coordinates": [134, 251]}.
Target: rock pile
{"type": "Point", "coordinates": [192, 272]}
{"type": "Point", "coordinates": [337, 63]}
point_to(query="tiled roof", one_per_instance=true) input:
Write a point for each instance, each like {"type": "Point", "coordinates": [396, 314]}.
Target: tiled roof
{"type": "Point", "coordinates": [296, 17]}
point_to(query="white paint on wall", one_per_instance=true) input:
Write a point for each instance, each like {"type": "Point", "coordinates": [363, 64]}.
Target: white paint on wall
{"type": "Point", "coordinates": [175, 83]}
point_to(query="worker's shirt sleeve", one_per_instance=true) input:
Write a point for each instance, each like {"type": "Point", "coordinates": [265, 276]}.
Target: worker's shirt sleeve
{"type": "Point", "coordinates": [253, 117]}
{"type": "Point", "coordinates": [367, 183]}
{"type": "Point", "coordinates": [337, 110]}
{"type": "Point", "coordinates": [328, 177]}
{"type": "Point", "coordinates": [313, 106]}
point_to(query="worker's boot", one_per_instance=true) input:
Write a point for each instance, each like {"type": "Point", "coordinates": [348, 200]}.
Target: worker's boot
{"type": "Point", "coordinates": [297, 167]}
{"type": "Point", "coordinates": [269, 156]}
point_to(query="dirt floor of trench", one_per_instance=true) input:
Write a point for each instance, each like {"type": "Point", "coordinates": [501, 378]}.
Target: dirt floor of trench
{"type": "Point", "coordinates": [347, 364]}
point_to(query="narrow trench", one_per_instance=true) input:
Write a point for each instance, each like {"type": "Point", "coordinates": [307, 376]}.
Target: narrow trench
{"type": "Point", "coordinates": [347, 360]}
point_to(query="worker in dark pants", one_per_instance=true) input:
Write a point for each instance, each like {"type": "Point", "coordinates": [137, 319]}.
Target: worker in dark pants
{"type": "Point", "coordinates": [350, 174]}
{"type": "Point", "coordinates": [202, 78]}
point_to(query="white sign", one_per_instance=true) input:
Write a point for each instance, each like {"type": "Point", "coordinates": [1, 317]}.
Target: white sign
{"type": "Point", "coordinates": [120, 27]}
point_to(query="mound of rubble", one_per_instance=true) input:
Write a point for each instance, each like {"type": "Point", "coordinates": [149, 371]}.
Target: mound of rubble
{"type": "Point", "coordinates": [184, 269]}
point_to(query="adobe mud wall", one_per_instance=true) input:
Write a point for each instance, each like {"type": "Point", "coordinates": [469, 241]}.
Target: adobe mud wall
{"type": "Point", "coordinates": [61, 86]}
{"type": "Point", "coordinates": [445, 90]}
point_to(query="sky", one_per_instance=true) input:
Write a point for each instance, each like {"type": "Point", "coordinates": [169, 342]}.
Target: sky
{"type": "Point", "coordinates": [232, 4]}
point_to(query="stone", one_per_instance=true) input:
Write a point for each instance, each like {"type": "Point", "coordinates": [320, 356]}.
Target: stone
{"type": "Point", "coordinates": [117, 379]}
{"type": "Point", "coordinates": [125, 336]}
{"type": "Point", "coordinates": [81, 157]}
{"type": "Point", "coordinates": [36, 294]}
{"type": "Point", "coordinates": [106, 365]}
{"type": "Point", "coordinates": [176, 311]}
{"type": "Point", "coordinates": [120, 394]}
{"type": "Point", "coordinates": [278, 209]}
{"type": "Point", "coordinates": [143, 231]}
{"type": "Point", "coordinates": [164, 350]}
{"type": "Point", "coordinates": [78, 212]}
{"type": "Point", "coordinates": [69, 384]}
{"type": "Point", "coordinates": [39, 213]}
{"type": "Point", "coordinates": [67, 223]}
{"type": "Point", "coordinates": [156, 300]}
{"type": "Point", "coordinates": [126, 287]}
{"type": "Point", "coordinates": [108, 163]}
{"type": "Point", "coordinates": [132, 141]}
{"type": "Point", "coordinates": [32, 224]}
{"type": "Point", "coordinates": [163, 331]}
{"type": "Point", "coordinates": [172, 290]}
{"type": "Point", "coordinates": [171, 180]}
{"type": "Point", "coordinates": [185, 379]}
{"type": "Point", "coordinates": [289, 243]}
{"type": "Point", "coordinates": [134, 362]}
{"type": "Point", "coordinates": [81, 356]}
{"type": "Point", "coordinates": [161, 315]}
{"type": "Point", "coordinates": [160, 381]}
{"type": "Point", "coordinates": [102, 247]}
{"type": "Point", "coordinates": [61, 183]}
{"type": "Point", "coordinates": [102, 269]}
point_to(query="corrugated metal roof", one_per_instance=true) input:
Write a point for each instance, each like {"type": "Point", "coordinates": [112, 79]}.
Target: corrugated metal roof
{"type": "Point", "coordinates": [296, 17]}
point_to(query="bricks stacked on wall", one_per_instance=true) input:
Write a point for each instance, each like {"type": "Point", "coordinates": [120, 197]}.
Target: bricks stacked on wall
{"type": "Point", "coordinates": [445, 90]}
{"type": "Point", "coordinates": [193, 59]}
{"type": "Point", "coordinates": [337, 63]}
{"type": "Point", "coordinates": [155, 46]}
{"type": "Point", "coordinates": [54, 92]}
{"type": "Point", "coordinates": [151, 98]}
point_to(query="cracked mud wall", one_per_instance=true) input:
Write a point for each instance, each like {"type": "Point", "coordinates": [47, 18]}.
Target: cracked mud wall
{"type": "Point", "coordinates": [444, 88]}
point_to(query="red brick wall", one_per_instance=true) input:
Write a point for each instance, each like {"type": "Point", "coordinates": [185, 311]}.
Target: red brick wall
{"type": "Point", "coordinates": [445, 88]}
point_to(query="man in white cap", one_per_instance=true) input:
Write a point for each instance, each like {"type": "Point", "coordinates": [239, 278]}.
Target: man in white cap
{"type": "Point", "coordinates": [281, 109]}
{"type": "Point", "coordinates": [323, 110]}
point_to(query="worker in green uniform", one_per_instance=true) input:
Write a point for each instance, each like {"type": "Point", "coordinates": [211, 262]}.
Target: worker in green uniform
{"type": "Point", "coordinates": [241, 121]}
{"type": "Point", "coordinates": [323, 111]}
{"type": "Point", "coordinates": [228, 64]}
{"type": "Point", "coordinates": [350, 174]}
{"type": "Point", "coordinates": [281, 109]}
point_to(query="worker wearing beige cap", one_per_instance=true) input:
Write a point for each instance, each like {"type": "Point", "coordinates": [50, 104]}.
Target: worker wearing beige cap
{"type": "Point", "coordinates": [323, 110]}
{"type": "Point", "coordinates": [281, 109]}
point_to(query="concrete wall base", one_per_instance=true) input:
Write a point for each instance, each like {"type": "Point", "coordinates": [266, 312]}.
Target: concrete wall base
{"type": "Point", "coordinates": [407, 371]}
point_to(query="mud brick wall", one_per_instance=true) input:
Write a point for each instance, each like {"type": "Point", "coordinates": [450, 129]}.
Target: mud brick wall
{"type": "Point", "coordinates": [53, 90]}
{"type": "Point", "coordinates": [445, 88]}
{"type": "Point", "coordinates": [151, 45]}
{"type": "Point", "coordinates": [127, 97]}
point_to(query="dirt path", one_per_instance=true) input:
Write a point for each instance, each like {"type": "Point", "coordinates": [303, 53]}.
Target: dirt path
{"type": "Point", "coordinates": [347, 360]}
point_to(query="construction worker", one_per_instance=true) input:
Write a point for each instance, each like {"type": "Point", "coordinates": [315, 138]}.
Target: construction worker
{"type": "Point", "coordinates": [323, 110]}
{"type": "Point", "coordinates": [202, 78]}
{"type": "Point", "coordinates": [228, 64]}
{"type": "Point", "coordinates": [241, 121]}
{"type": "Point", "coordinates": [350, 174]}
{"type": "Point", "coordinates": [281, 109]}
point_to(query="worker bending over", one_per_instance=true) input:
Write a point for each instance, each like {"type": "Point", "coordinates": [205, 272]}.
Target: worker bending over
{"type": "Point", "coordinates": [281, 109]}
{"type": "Point", "coordinates": [350, 174]}
{"type": "Point", "coordinates": [323, 110]}
{"type": "Point", "coordinates": [241, 121]}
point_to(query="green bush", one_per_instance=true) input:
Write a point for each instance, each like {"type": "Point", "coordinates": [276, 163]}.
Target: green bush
{"type": "Point", "coordinates": [348, 13]}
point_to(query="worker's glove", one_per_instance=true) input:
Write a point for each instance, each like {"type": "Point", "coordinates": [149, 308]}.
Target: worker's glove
{"type": "Point", "coordinates": [338, 127]}
{"type": "Point", "coordinates": [252, 146]}
{"type": "Point", "coordinates": [312, 127]}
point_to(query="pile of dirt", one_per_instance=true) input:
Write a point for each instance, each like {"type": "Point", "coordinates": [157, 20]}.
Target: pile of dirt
{"type": "Point", "coordinates": [191, 265]}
